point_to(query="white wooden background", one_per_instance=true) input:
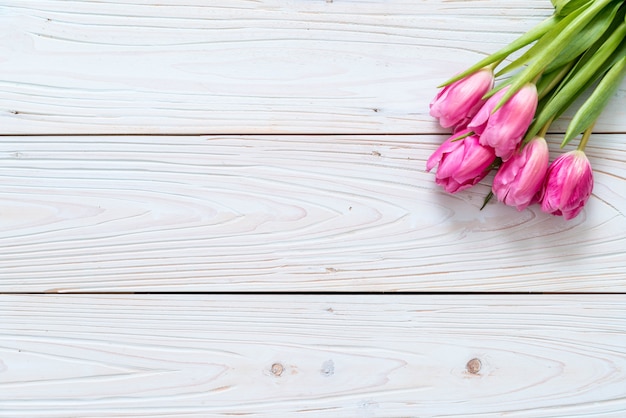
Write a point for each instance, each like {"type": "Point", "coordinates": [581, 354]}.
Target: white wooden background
{"type": "Point", "coordinates": [169, 170]}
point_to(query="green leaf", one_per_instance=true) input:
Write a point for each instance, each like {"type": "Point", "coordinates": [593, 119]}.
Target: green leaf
{"type": "Point", "coordinates": [594, 64]}
{"type": "Point", "coordinates": [532, 35]}
{"type": "Point", "coordinates": [589, 54]}
{"type": "Point", "coordinates": [540, 45]}
{"type": "Point", "coordinates": [487, 199]}
{"type": "Point", "coordinates": [565, 7]}
{"type": "Point", "coordinates": [595, 104]}
{"type": "Point", "coordinates": [551, 50]}
{"type": "Point", "coordinates": [587, 36]}
{"type": "Point", "coordinates": [463, 136]}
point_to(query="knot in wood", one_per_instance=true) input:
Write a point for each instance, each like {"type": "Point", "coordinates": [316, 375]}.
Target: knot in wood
{"type": "Point", "coordinates": [277, 369]}
{"type": "Point", "coordinates": [473, 366]}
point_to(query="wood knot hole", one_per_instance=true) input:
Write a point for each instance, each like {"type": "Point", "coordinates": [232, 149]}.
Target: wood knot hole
{"type": "Point", "coordinates": [277, 369]}
{"type": "Point", "coordinates": [473, 366]}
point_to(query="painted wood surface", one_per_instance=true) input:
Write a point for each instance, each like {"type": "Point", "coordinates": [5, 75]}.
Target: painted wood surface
{"type": "Point", "coordinates": [288, 213]}
{"type": "Point", "coordinates": [317, 356]}
{"type": "Point", "coordinates": [272, 66]}
{"type": "Point", "coordinates": [243, 146]}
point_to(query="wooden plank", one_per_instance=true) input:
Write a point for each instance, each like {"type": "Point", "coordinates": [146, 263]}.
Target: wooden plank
{"type": "Point", "coordinates": [288, 213]}
{"type": "Point", "coordinates": [271, 66]}
{"type": "Point", "coordinates": [322, 356]}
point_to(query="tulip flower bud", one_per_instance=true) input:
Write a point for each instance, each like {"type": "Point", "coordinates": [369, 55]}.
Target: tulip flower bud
{"type": "Point", "coordinates": [459, 101]}
{"type": "Point", "coordinates": [462, 163]}
{"type": "Point", "coordinates": [520, 177]}
{"type": "Point", "coordinates": [568, 185]}
{"type": "Point", "coordinates": [504, 129]}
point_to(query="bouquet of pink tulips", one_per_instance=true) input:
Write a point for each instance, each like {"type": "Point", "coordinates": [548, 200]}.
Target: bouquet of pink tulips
{"type": "Point", "coordinates": [503, 127]}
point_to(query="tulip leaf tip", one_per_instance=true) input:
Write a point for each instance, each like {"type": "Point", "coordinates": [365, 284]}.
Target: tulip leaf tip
{"type": "Point", "coordinates": [487, 199]}
{"type": "Point", "coordinates": [460, 137]}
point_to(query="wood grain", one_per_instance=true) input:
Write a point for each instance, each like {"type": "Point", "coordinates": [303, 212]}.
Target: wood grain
{"type": "Point", "coordinates": [288, 213]}
{"type": "Point", "coordinates": [106, 185]}
{"type": "Point", "coordinates": [272, 66]}
{"type": "Point", "coordinates": [318, 356]}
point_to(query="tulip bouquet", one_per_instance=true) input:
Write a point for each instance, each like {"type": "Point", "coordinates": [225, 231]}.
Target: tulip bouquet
{"type": "Point", "coordinates": [501, 127]}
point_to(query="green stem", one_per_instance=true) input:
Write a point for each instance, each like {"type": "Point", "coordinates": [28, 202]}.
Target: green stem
{"type": "Point", "coordinates": [556, 79]}
{"type": "Point", "coordinates": [544, 130]}
{"type": "Point", "coordinates": [532, 35]}
{"type": "Point", "coordinates": [585, 138]}
{"type": "Point", "coordinates": [494, 65]}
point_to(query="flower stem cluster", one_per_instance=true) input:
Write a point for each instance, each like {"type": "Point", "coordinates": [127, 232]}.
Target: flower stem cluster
{"type": "Point", "coordinates": [582, 45]}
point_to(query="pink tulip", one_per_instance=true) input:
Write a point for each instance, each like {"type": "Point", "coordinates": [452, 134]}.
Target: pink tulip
{"type": "Point", "coordinates": [504, 129]}
{"type": "Point", "coordinates": [520, 178]}
{"type": "Point", "coordinates": [462, 163]}
{"type": "Point", "coordinates": [568, 185]}
{"type": "Point", "coordinates": [459, 101]}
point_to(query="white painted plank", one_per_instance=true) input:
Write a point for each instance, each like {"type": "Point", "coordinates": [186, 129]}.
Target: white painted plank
{"type": "Point", "coordinates": [271, 66]}
{"type": "Point", "coordinates": [288, 213]}
{"type": "Point", "coordinates": [318, 356]}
